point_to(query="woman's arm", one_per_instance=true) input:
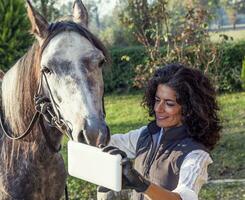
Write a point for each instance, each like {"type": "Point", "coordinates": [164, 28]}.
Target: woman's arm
{"type": "Point", "coordinates": [127, 142]}
{"type": "Point", "coordinates": [193, 174]}
{"type": "Point", "coordinates": [155, 192]}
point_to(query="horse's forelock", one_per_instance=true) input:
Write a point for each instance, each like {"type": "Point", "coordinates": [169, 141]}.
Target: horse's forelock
{"type": "Point", "coordinates": [58, 27]}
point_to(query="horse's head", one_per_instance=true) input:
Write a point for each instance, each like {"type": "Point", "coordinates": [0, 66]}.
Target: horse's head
{"type": "Point", "coordinates": [71, 59]}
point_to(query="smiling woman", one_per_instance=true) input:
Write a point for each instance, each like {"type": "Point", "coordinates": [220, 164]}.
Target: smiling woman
{"type": "Point", "coordinates": [167, 110]}
{"type": "Point", "coordinates": [171, 153]}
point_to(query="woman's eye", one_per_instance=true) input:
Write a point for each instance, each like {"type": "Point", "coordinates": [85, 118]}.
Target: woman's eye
{"type": "Point", "coordinates": [170, 104]}
{"type": "Point", "coordinates": [157, 100]}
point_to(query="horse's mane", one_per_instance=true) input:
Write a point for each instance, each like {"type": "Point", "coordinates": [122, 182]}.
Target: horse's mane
{"type": "Point", "coordinates": [19, 87]}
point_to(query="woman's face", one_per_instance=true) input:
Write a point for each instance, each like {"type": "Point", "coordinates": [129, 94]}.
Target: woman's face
{"type": "Point", "coordinates": [167, 110]}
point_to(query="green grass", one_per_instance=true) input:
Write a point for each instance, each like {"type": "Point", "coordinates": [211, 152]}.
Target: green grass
{"type": "Point", "coordinates": [229, 156]}
{"type": "Point", "coordinates": [228, 191]}
{"type": "Point", "coordinates": [237, 35]}
{"type": "Point", "coordinates": [124, 113]}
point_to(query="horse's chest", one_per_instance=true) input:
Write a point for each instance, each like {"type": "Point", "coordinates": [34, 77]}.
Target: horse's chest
{"type": "Point", "coordinates": [34, 181]}
{"type": "Point", "coordinates": [52, 177]}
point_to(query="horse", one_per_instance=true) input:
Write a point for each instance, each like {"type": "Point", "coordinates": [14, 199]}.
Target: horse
{"type": "Point", "coordinates": [64, 64]}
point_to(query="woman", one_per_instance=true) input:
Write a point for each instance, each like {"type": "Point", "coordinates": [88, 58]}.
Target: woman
{"type": "Point", "coordinates": [171, 154]}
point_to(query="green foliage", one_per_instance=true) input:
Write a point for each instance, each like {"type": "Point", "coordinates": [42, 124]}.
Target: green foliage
{"type": "Point", "coordinates": [122, 74]}
{"type": "Point", "coordinates": [243, 74]}
{"type": "Point", "coordinates": [47, 8]}
{"type": "Point", "coordinates": [229, 69]}
{"type": "Point", "coordinates": [182, 31]}
{"type": "Point", "coordinates": [109, 29]}
{"type": "Point", "coordinates": [14, 37]}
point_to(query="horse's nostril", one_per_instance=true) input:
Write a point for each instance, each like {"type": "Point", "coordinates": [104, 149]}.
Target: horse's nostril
{"type": "Point", "coordinates": [81, 137]}
{"type": "Point", "coordinates": [104, 136]}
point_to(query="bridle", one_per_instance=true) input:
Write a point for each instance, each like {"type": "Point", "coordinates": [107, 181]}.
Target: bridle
{"type": "Point", "coordinates": [56, 121]}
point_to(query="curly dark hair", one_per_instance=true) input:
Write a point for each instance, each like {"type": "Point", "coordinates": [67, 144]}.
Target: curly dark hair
{"type": "Point", "coordinates": [197, 97]}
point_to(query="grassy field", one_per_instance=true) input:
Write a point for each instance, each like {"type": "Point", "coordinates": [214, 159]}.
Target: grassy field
{"type": "Point", "coordinates": [236, 35]}
{"type": "Point", "coordinates": [124, 113]}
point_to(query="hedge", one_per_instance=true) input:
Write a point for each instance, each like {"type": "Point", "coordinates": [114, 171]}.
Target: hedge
{"type": "Point", "coordinates": [120, 76]}
{"type": "Point", "coordinates": [231, 66]}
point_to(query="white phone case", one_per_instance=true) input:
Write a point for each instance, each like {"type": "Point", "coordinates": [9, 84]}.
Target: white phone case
{"type": "Point", "coordinates": [91, 164]}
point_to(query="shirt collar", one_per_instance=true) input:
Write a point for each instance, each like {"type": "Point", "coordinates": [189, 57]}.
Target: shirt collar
{"type": "Point", "coordinates": [174, 133]}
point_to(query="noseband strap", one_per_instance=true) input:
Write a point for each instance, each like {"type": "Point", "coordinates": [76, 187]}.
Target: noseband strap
{"type": "Point", "coordinates": [57, 121]}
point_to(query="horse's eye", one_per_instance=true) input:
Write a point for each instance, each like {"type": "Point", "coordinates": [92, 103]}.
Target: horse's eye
{"type": "Point", "coordinates": [101, 63]}
{"type": "Point", "coordinates": [46, 70]}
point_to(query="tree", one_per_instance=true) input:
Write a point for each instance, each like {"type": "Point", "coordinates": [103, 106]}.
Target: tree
{"type": "Point", "coordinates": [47, 8]}
{"type": "Point", "coordinates": [233, 7]}
{"type": "Point", "coordinates": [169, 35]}
{"type": "Point", "coordinates": [65, 9]}
{"type": "Point", "coordinates": [113, 32]}
{"type": "Point", "coordinates": [14, 36]}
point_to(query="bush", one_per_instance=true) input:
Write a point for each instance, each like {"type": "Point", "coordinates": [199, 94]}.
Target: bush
{"type": "Point", "coordinates": [243, 74]}
{"type": "Point", "coordinates": [14, 36]}
{"type": "Point", "coordinates": [120, 76]}
{"type": "Point", "coordinates": [125, 60]}
{"type": "Point", "coordinates": [229, 71]}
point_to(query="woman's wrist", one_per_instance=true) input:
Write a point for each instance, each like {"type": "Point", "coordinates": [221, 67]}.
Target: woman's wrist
{"type": "Point", "coordinates": [155, 192]}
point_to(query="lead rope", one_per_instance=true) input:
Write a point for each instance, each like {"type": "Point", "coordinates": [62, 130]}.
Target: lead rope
{"type": "Point", "coordinates": [34, 119]}
{"type": "Point", "coordinates": [22, 135]}
{"type": "Point", "coordinates": [66, 193]}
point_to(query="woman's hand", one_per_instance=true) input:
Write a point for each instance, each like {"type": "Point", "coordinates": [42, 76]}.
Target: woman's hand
{"type": "Point", "coordinates": [131, 179]}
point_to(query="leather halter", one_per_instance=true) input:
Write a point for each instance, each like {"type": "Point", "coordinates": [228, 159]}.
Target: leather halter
{"type": "Point", "coordinates": [58, 122]}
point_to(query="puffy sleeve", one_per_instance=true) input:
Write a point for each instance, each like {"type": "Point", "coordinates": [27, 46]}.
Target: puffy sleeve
{"type": "Point", "coordinates": [193, 174]}
{"type": "Point", "coordinates": [127, 142]}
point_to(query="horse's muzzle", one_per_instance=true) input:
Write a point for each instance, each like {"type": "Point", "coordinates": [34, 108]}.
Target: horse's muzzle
{"type": "Point", "coordinates": [95, 132]}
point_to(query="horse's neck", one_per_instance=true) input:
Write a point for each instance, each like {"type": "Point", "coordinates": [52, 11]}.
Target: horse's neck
{"type": "Point", "coordinates": [18, 107]}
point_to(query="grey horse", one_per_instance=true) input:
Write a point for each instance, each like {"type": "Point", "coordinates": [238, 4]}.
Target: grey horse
{"type": "Point", "coordinates": [65, 62]}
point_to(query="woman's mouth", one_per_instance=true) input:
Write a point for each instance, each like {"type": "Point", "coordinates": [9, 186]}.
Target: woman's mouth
{"type": "Point", "coordinates": [161, 117]}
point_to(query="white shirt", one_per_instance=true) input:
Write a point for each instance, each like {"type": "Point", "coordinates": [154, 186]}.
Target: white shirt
{"type": "Point", "coordinates": [193, 171]}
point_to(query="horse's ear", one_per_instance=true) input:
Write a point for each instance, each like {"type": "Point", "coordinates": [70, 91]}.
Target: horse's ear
{"type": "Point", "coordinates": [38, 22]}
{"type": "Point", "coordinates": [80, 14]}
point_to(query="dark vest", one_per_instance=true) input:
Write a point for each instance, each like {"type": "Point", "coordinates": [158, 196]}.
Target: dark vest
{"type": "Point", "coordinates": [161, 165]}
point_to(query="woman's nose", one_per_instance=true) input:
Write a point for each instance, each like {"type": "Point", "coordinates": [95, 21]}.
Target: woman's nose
{"type": "Point", "coordinates": [160, 107]}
